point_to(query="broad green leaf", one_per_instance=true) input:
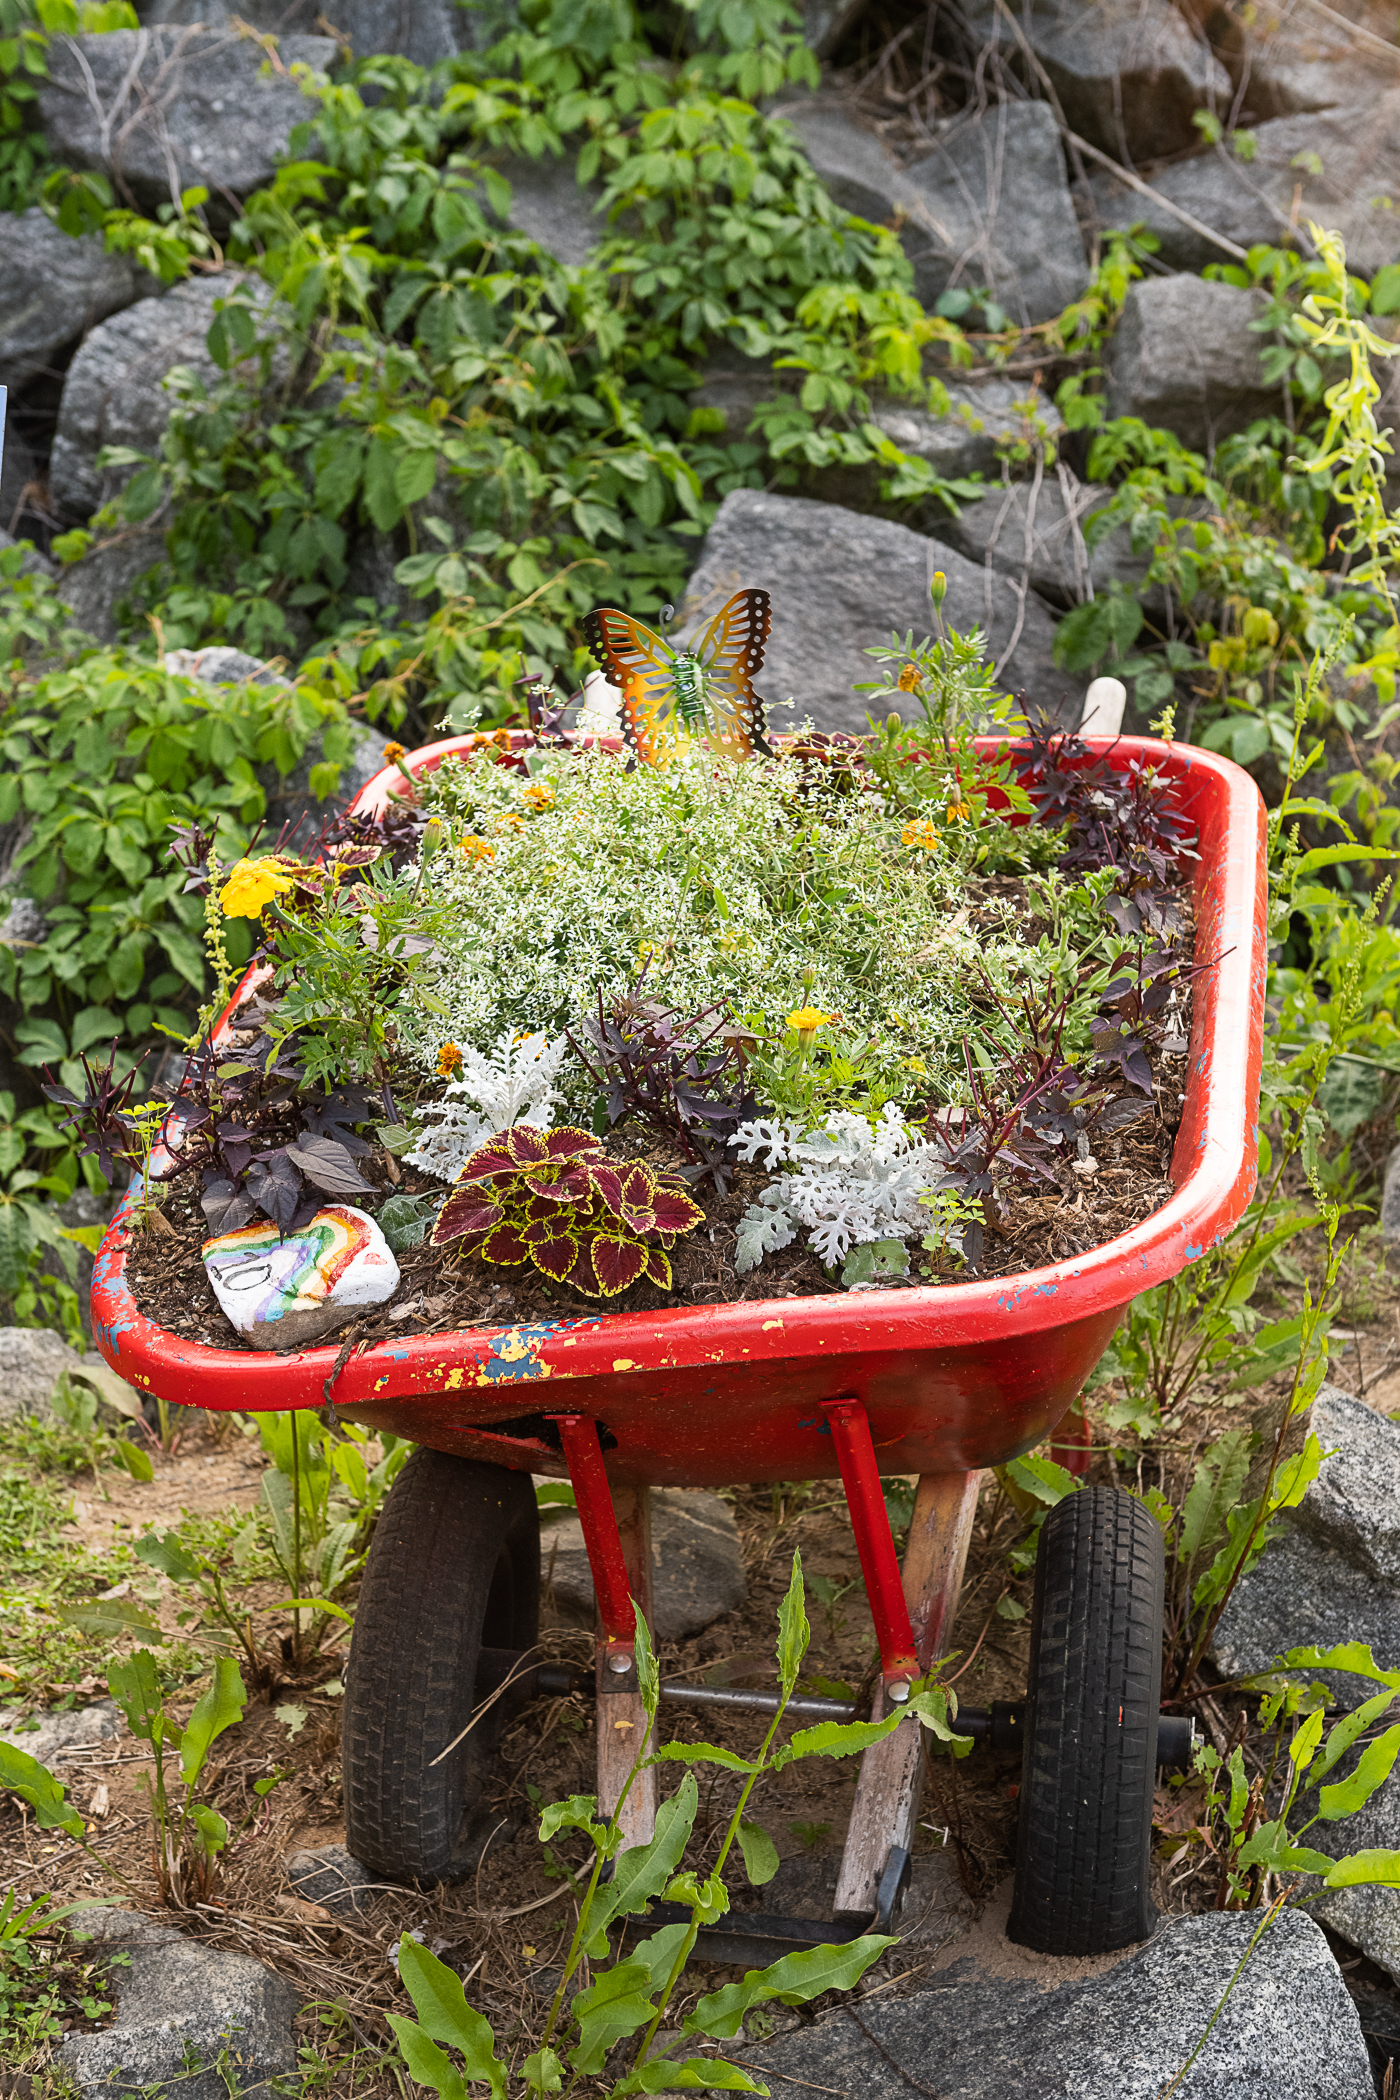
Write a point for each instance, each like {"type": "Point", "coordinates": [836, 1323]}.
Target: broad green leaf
{"type": "Point", "coordinates": [216, 1709]}
{"type": "Point", "coordinates": [542, 2072]}
{"type": "Point", "coordinates": [1332, 856]}
{"type": "Point", "coordinates": [700, 1754]}
{"type": "Point", "coordinates": [135, 1685]}
{"type": "Point", "coordinates": [1372, 1770]}
{"type": "Point", "coordinates": [137, 1462]}
{"type": "Point", "coordinates": [1296, 1475]}
{"type": "Point", "coordinates": [579, 1812]}
{"type": "Point", "coordinates": [34, 1783]}
{"type": "Point", "coordinates": [931, 1708]}
{"type": "Point", "coordinates": [708, 1899]}
{"type": "Point", "coordinates": [659, 2075]}
{"type": "Point", "coordinates": [165, 1552]}
{"type": "Point", "coordinates": [213, 1830]}
{"type": "Point", "coordinates": [1352, 1656]}
{"type": "Point", "coordinates": [642, 1871]}
{"type": "Point", "coordinates": [427, 2063]}
{"type": "Point", "coordinates": [1271, 1848]}
{"type": "Point", "coordinates": [440, 2003]}
{"type": "Point", "coordinates": [794, 1634]}
{"type": "Point", "coordinates": [659, 1951]}
{"type": "Point", "coordinates": [760, 1853]}
{"type": "Point", "coordinates": [615, 2005]}
{"type": "Point", "coordinates": [1346, 1731]}
{"type": "Point", "coordinates": [1041, 1477]}
{"type": "Point", "coordinates": [1214, 1492]}
{"type": "Point", "coordinates": [110, 1617]}
{"type": "Point", "coordinates": [1377, 1867]}
{"type": "Point", "coordinates": [794, 1980]}
{"type": "Point", "coordinates": [1306, 1740]}
{"type": "Point", "coordinates": [836, 1739]}
{"type": "Point", "coordinates": [648, 1675]}
{"type": "Point", "coordinates": [1352, 1094]}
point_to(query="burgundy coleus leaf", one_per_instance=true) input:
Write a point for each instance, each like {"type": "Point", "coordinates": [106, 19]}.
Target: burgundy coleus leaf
{"type": "Point", "coordinates": [506, 1245]}
{"type": "Point", "coordinates": [569, 1142]}
{"type": "Point", "coordinates": [638, 1188]}
{"type": "Point", "coordinates": [616, 1263]}
{"type": "Point", "coordinates": [556, 1256]}
{"type": "Point", "coordinates": [472, 1210]}
{"type": "Point", "coordinates": [658, 1269]}
{"type": "Point", "coordinates": [606, 1180]}
{"type": "Point", "coordinates": [675, 1212]}
{"type": "Point", "coordinates": [490, 1158]}
{"type": "Point", "coordinates": [527, 1146]}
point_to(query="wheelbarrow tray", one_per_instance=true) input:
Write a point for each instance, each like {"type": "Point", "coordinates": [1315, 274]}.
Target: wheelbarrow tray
{"type": "Point", "coordinates": [952, 1378]}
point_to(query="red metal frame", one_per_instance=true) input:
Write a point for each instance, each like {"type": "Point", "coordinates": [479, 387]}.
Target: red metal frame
{"type": "Point", "coordinates": [950, 1378]}
{"type": "Point", "coordinates": [598, 1521]}
{"type": "Point", "coordinates": [879, 1563]}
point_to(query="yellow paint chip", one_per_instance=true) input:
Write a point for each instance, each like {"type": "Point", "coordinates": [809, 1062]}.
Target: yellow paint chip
{"type": "Point", "coordinates": [454, 1379]}
{"type": "Point", "coordinates": [772, 1323]}
{"type": "Point", "coordinates": [623, 1363]}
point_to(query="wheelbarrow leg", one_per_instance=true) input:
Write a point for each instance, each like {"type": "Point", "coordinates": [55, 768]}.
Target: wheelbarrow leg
{"type": "Point", "coordinates": [616, 1525]}
{"type": "Point", "coordinates": [886, 1806]}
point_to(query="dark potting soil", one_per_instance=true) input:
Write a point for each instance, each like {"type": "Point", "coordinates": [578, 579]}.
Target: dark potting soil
{"type": "Point", "coordinates": [439, 1290]}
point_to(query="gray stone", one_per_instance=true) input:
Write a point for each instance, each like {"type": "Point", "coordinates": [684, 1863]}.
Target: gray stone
{"type": "Point", "coordinates": [1129, 74]}
{"type": "Point", "coordinates": [1184, 358]}
{"type": "Point", "coordinates": [825, 22]}
{"type": "Point", "coordinates": [32, 1360]}
{"type": "Point", "coordinates": [988, 209]}
{"type": "Point", "coordinates": [1036, 530]}
{"type": "Point", "coordinates": [1333, 1573]}
{"type": "Point", "coordinates": [57, 1734]}
{"type": "Point", "coordinates": [330, 1876]}
{"type": "Point", "coordinates": [113, 393]}
{"type": "Point", "coordinates": [982, 420]}
{"type": "Point", "coordinates": [52, 290]}
{"type": "Point", "coordinates": [1295, 57]}
{"type": "Point", "coordinates": [24, 920]}
{"type": "Point", "coordinates": [422, 30]}
{"type": "Point", "coordinates": [95, 586]}
{"type": "Point", "coordinates": [1390, 1200]}
{"type": "Point", "coordinates": [841, 582]}
{"type": "Point", "coordinates": [995, 213]}
{"type": "Point", "coordinates": [1288, 2031]}
{"type": "Point", "coordinates": [697, 1570]}
{"type": "Point", "coordinates": [1340, 167]}
{"type": "Point", "coordinates": [160, 109]}
{"type": "Point", "coordinates": [177, 1998]}
{"type": "Point", "coordinates": [547, 204]}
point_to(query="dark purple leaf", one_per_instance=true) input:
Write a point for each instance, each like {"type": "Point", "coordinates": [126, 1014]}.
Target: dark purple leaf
{"type": "Point", "coordinates": [329, 1166]}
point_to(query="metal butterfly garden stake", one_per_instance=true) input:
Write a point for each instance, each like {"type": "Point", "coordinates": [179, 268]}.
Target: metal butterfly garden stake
{"type": "Point", "coordinates": [671, 695]}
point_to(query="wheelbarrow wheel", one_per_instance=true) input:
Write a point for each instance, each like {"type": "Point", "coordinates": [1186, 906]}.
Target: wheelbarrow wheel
{"type": "Point", "coordinates": [454, 1567]}
{"type": "Point", "coordinates": [1089, 1764]}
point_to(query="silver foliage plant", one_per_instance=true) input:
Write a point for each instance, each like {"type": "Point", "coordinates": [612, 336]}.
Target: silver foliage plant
{"type": "Point", "coordinates": [853, 1184]}
{"type": "Point", "coordinates": [514, 1083]}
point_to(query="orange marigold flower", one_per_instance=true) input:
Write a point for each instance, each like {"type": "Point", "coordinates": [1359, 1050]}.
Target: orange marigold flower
{"type": "Point", "coordinates": [920, 834]}
{"type": "Point", "coordinates": [958, 810]}
{"type": "Point", "coordinates": [476, 849]}
{"type": "Point", "coordinates": [449, 1061]}
{"type": "Point", "coordinates": [539, 794]}
{"type": "Point", "coordinates": [909, 679]}
{"type": "Point", "coordinates": [393, 754]}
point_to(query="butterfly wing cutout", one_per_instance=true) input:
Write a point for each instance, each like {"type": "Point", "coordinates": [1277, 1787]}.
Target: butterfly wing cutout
{"type": "Point", "coordinates": [640, 664]}
{"type": "Point", "coordinates": [731, 650]}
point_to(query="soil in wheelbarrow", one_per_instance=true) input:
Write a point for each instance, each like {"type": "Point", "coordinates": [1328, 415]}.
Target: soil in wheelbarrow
{"type": "Point", "coordinates": [1065, 1215]}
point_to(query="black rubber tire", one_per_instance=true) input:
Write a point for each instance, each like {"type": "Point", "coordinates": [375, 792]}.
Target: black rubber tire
{"type": "Point", "coordinates": [454, 1566]}
{"type": "Point", "coordinates": [1089, 1766]}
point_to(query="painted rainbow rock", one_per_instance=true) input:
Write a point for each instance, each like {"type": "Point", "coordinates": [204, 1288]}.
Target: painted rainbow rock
{"type": "Point", "coordinates": [284, 1292]}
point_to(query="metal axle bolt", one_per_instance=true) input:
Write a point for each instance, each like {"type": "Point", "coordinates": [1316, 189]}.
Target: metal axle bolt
{"type": "Point", "coordinates": [898, 1691]}
{"type": "Point", "coordinates": [621, 1664]}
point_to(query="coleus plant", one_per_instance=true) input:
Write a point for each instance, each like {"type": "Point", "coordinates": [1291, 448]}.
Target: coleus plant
{"type": "Point", "coordinates": [554, 1198]}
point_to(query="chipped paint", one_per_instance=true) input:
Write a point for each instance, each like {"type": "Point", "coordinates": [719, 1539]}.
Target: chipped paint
{"type": "Point", "coordinates": [769, 1324]}
{"type": "Point", "coordinates": [623, 1363]}
{"type": "Point", "coordinates": [514, 1354]}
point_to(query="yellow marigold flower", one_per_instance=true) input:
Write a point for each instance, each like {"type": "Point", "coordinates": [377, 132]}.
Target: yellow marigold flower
{"type": "Point", "coordinates": [805, 1021]}
{"type": "Point", "coordinates": [958, 810]}
{"type": "Point", "coordinates": [393, 753]}
{"type": "Point", "coordinates": [476, 849]}
{"type": "Point", "coordinates": [252, 885]}
{"type": "Point", "coordinates": [509, 820]}
{"type": "Point", "coordinates": [539, 794]}
{"type": "Point", "coordinates": [909, 679]}
{"type": "Point", "coordinates": [922, 834]}
{"type": "Point", "coordinates": [449, 1061]}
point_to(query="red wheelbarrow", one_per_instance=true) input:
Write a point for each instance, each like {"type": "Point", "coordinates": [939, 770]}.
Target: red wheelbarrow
{"type": "Point", "coordinates": [938, 1381]}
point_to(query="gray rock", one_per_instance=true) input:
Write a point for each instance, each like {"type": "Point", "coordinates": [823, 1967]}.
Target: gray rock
{"type": "Point", "coordinates": [1037, 531]}
{"type": "Point", "coordinates": [841, 582]}
{"type": "Point", "coordinates": [1129, 74]}
{"type": "Point", "coordinates": [547, 204]}
{"type": "Point", "coordinates": [52, 290]}
{"type": "Point", "coordinates": [1296, 58]}
{"type": "Point", "coordinates": [825, 22]}
{"type": "Point", "coordinates": [32, 1360]}
{"type": "Point", "coordinates": [1333, 1574]}
{"type": "Point", "coordinates": [83, 1729]}
{"type": "Point", "coordinates": [988, 209]}
{"type": "Point", "coordinates": [981, 420]}
{"type": "Point", "coordinates": [95, 587]}
{"type": "Point", "coordinates": [1289, 2030]}
{"type": "Point", "coordinates": [1341, 165]}
{"type": "Point", "coordinates": [1184, 358]}
{"type": "Point", "coordinates": [24, 920]}
{"type": "Point", "coordinates": [330, 1876]}
{"type": "Point", "coordinates": [113, 393]}
{"type": "Point", "coordinates": [995, 212]}
{"type": "Point", "coordinates": [1390, 1200]}
{"type": "Point", "coordinates": [176, 1999]}
{"type": "Point", "coordinates": [160, 109]}
{"type": "Point", "coordinates": [697, 1570]}
{"type": "Point", "coordinates": [422, 30]}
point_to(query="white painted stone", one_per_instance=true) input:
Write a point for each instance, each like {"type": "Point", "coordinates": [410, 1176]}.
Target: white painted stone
{"type": "Point", "coordinates": [285, 1292]}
